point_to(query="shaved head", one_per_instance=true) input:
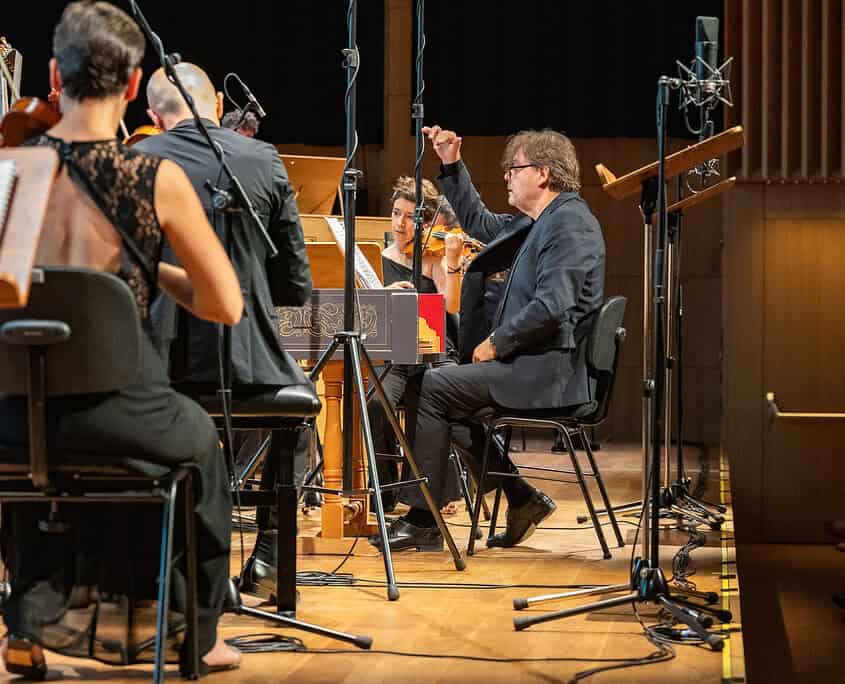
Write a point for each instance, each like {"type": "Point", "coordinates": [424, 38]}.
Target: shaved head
{"type": "Point", "coordinates": [164, 99]}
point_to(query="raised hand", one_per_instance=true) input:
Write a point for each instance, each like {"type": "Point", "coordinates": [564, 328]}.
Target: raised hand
{"type": "Point", "coordinates": [447, 144]}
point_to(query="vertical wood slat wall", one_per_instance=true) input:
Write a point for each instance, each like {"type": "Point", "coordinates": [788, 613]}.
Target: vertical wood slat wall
{"type": "Point", "coordinates": [788, 72]}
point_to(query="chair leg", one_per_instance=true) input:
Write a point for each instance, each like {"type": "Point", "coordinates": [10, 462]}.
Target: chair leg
{"type": "Point", "coordinates": [286, 507]}
{"type": "Point", "coordinates": [494, 516]}
{"type": "Point", "coordinates": [479, 493]}
{"type": "Point", "coordinates": [602, 490]}
{"type": "Point", "coordinates": [165, 563]}
{"type": "Point", "coordinates": [190, 660]}
{"type": "Point", "coordinates": [564, 435]}
{"type": "Point", "coordinates": [473, 488]}
{"type": "Point", "coordinates": [461, 474]}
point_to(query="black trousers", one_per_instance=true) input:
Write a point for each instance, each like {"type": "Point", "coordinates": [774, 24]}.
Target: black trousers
{"type": "Point", "coordinates": [445, 399]}
{"type": "Point", "coordinates": [56, 578]}
{"type": "Point", "coordinates": [288, 447]}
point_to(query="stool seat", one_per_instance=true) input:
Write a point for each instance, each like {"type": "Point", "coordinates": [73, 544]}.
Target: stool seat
{"type": "Point", "coordinates": [293, 401]}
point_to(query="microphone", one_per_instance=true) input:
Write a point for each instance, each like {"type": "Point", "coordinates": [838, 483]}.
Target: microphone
{"type": "Point", "coordinates": [259, 110]}
{"type": "Point", "coordinates": [707, 53]}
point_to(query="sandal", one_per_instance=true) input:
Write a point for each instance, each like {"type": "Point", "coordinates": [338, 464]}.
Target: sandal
{"type": "Point", "coordinates": [19, 658]}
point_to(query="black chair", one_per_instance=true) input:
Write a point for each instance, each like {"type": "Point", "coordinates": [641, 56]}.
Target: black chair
{"type": "Point", "coordinates": [279, 410]}
{"type": "Point", "coordinates": [80, 334]}
{"type": "Point", "coordinates": [603, 341]}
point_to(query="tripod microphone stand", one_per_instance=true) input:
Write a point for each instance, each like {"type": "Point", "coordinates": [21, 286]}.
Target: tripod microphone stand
{"type": "Point", "coordinates": [352, 342]}
{"type": "Point", "coordinates": [648, 583]}
{"type": "Point", "coordinates": [230, 203]}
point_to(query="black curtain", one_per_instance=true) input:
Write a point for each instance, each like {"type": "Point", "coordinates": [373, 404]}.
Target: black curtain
{"type": "Point", "coordinates": [288, 53]}
{"type": "Point", "coordinates": [588, 68]}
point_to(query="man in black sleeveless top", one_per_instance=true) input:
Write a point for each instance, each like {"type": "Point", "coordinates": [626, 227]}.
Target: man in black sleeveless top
{"type": "Point", "coordinates": [257, 355]}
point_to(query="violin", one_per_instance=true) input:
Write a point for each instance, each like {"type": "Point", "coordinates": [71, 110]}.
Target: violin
{"type": "Point", "coordinates": [27, 117]}
{"type": "Point", "coordinates": [434, 243]}
{"type": "Point", "coordinates": [140, 133]}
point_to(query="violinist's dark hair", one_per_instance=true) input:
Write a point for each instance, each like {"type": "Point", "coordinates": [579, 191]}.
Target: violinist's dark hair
{"type": "Point", "coordinates": [248, 121]}
{"type": "Point", "coordinates": [97, 47]}
{"type": "Point", "coordinates": [405, 188]}
{"type": "Point", "coordinates": [547, 149]}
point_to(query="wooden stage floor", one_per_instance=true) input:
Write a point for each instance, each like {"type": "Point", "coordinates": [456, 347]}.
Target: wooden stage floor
{"type": "Point", "coordinates": [465, 634]}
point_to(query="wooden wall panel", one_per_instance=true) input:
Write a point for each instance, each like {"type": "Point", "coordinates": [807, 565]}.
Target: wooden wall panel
{"type": "Point", "coordinates": [788, 88]}
{"type": "Point", "coordinates": [742, 306]}
{"type": "Point", "coordinates": [831, 94]}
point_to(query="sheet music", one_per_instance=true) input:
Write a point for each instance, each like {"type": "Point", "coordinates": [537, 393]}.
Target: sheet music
{"type": "Point", "coordinates": [363, 268]}
{"type": "Point", "coordinates": [7, 183]}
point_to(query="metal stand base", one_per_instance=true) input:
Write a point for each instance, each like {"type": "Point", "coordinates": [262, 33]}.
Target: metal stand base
{"type": "Point", "coordinates": [355, 354]}
{"type": "Point", "coordinates": [234, 605]}
{"type": "Point", "coordinates": [648, 585]}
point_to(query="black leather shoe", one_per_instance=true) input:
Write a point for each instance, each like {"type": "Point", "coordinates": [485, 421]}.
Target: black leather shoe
{"type": "Point", "coordinates": [402, 535]}
{"type": "Point", "coordinates": [523, 520]}
{"type": "Point", "coordinates": [258, 578]}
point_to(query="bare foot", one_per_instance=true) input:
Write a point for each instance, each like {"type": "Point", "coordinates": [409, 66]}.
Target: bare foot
{"type": "Point", "coordinates": [222, 656]}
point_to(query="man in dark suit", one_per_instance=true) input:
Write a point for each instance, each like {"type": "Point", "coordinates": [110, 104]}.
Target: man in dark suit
{"type": "Point", "coordinates": [258, 359]}
{"type": "Point", "coordinates": [523, 351]}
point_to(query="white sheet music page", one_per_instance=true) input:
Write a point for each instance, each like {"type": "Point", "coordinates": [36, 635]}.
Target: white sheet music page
{"type": "Point", "coordinates": [7, 183]}
{"type": "Point", "coordinates": [363, 269]}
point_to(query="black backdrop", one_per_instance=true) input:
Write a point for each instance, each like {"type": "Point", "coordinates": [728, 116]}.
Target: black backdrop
{"type": "Point", "coordinates": [587, 67]}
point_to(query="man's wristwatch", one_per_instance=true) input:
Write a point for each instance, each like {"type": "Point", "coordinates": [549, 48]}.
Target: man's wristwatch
{"type": "Point", "coordinates": [492, 341]}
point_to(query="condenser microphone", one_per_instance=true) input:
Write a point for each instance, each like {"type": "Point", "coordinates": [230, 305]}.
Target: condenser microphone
{"type": "Point", "coordinates": [707, 52]}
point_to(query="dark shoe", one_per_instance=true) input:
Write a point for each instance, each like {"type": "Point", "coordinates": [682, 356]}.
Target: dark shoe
{"type": "Point", "coordinates": [258, 576]}
{"type": "Point", "coordinates": [402, 535]}
{"type": "Point", "coordinates": [523, 520]}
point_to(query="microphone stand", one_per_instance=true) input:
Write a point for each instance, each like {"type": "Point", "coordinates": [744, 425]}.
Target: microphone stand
{"type": "Point", "coordinates": [354, 351]}
{"type": "Point", "coordinates": [223, 201]}
{"type": "Point", "coordinates": [677, 494]}
{"type": "Point", "coordinates": [648, 583]}
{"type": "Point", "coordinates": [417, 115]}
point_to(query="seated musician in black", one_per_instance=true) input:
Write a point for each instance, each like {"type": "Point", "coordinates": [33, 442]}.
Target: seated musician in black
{"type": "Point", "coordinates": [81, 593]}
{"type": "Point", "coordinates": [258, 361]}
{"type": "Point", "coordinates": [437, 276]}
{"type": "Point", "coordinates": [524, 358]}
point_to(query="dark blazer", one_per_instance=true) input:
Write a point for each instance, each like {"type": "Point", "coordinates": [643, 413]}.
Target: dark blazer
{"type": "Point", "coordinates": [257, 354]}
{"type": "Point", "coordinates": [556, 278]}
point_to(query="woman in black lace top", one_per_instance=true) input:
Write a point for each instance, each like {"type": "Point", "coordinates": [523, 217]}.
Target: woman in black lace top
{"type": "Point", "coordinates": [88, 592]}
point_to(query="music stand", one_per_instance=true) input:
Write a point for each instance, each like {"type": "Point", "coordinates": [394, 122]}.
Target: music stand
{"type": "Point", "coordinates": [315, 180]}
{"type": "Point", "coordinates": [20, 234]}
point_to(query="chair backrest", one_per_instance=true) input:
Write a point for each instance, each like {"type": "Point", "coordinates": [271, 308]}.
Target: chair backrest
{"type": "Point", "coordinates": [603, 348]}
{"type": "Point", "coordinates": [103, 352]}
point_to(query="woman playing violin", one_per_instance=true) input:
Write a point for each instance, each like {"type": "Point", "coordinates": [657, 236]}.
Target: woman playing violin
{"type": "Point", "coordinates": [441, 268]}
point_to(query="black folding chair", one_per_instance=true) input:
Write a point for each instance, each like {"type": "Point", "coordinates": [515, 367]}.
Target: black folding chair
{"type": "Point", "coordinates": [80, 334]}
{"type": "Point", "coordinates": [603, 341]}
